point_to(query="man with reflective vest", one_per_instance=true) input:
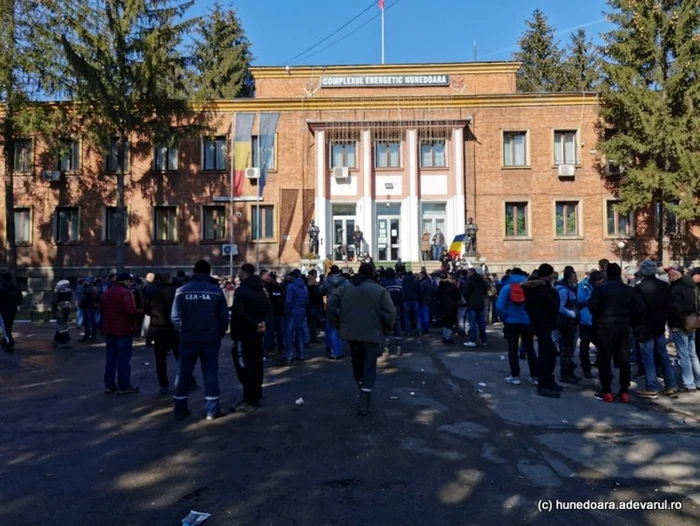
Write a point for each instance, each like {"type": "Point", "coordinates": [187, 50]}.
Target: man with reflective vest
{"type": "Point", "coordinates": [200, 315]}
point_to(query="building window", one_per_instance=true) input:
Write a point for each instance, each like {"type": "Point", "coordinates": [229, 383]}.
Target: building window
{"type": "Point", "coordinates": [67, 224]}
{"type": "Point", "coordinates": [111, 160]}
{"type": "Point", "coordinates": [214, 223]}
{"type": "Point", "coordinates": [23, 226]}
{"type": "Point", "coordinates": [23, 158]}
{"type": "Point", "coordinates": [256, 153]}
{"type": "Point", "coordinates": [387, 154]}
{"type": "Point", "coordinates": [515, 149]}
{"type": "Point", "coordinates": [165, 223]}
{"type": "Point", "coordinates": [165, 158]}
{"type": "Point", "coordinates": [565, 147]}
{"type": "Point", "coordinates": [110, 225]}
{"type": "Point", "coordinates": [266, 230]}
{"type": "Point", "coordinates": [343, 154]}
{"type": "Point", "coordinates": [432, 153]}
{"type": "Point", "coordinates": [214, 153]}
{"type": "Point", "coordinates": [674, 226]}
{"type": "Point", "coordinates": [619, 224]}
{"type": "Point", "coordinates": [567, 218]}
{"type": "Point", "coordinates": [69, 157]}
{"type": "Point", "coordinates": [517, 223]}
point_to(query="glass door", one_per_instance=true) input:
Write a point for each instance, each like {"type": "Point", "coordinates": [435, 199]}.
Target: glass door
{"type": "Point", "coordinates": [343, 247]}
{"type": "Point", "coordinates": [388, 238]}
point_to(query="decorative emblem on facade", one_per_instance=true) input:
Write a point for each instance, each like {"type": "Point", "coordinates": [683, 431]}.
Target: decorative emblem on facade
{"type": "Point", "coordinates": [458, 83]}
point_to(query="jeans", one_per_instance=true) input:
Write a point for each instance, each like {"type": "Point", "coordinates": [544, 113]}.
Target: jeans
{"type": "Point", "coordinates": [437, 252]}
{"type": "Point", "coordinates": [586, 332]}
{"type": "Point", "coordinates": [90, 323]}
{"type": "Point", "coordinates": [410, 310]}
{"type": "Point", "coordinates": [208, 354]}
{"type": "Point", "coordinates": [425, 317]}
{"type": "Point", "coordinates": [648, 348]}
{"type": "Point", "coordinates": [80, 315]}
{"type": "Point", "coordinates": [364, 364]}
{"type": "Point", "coordinates": [688, 359]}
{"type": "Point", "coordinates": [118, 350]}
{"type": "Point", "coordinates": [333, 340]}
{"type": "Point", "coordinates": [275, 330]}
{"type": "Point", "coordinates": [145, 326]}
{"type": "Point", "coordinates": [546, 357]}
{"type": "Point", "coordinates": [294, 335]}
{"type": "Point", "coordinates": [165, 340]}
{"type": "Point", "coordinates": [476, 318]}
{"type": "Point", "coordinates": [462, 320]}
{"type": "Point", "coordinates": [8, 320]}
{"type": "Point", "coordinates": [315, 316]}
{"type": "Point", "coordinates": [614, 341]}
{"type": "Point", "coordinates": [248, 359]}
{"type": "Point", "coordinates": [514, 334]}
{"type": "Point", "coordinates": [567, 346]}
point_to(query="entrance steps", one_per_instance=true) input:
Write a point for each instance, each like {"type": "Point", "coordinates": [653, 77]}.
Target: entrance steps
{"type": "Point", "coordinates": [413, 266]}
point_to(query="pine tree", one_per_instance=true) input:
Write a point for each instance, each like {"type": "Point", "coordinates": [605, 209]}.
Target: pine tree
{"type": "Point", "coordinates": [541, 57]}
{"type": "Point", "coordinates": [126, 60]}
{"type": "Point", "coordinates": [582, 65]}
{"type": "Point", "coordinates": [651, 107]}
{"type": "Point", "coordinates": [25, 57]}
{"type": "Point", "coordinates": [221, 57]}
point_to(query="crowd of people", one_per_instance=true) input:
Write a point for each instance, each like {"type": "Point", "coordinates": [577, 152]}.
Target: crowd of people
{"type": "Point", "coordinates": [373, 312]}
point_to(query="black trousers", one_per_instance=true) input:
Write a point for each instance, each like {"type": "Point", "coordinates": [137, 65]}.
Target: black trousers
{"type": "Point", "coordinates": [364, 363]}
{"type": "Point", "coordinates": [567, 346]}
{"type": "Point", "coordinates": [8, 317]}
{"type": "Point", "coordinates": [248, 359]}
{"type": "Point", "coordinates": [587, 336]}
{"type": "Point", "coordinates": [164, 340]}
{"type": "Point", "coordinates": [515, 333]}
{"type": "Point", "coordinates": [614, 342]}
{"type": "Point", "coordinates": [546, 357]}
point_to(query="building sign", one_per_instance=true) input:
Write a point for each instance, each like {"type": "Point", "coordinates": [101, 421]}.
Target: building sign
{"type": "Point", "coordinates": [383, 81]}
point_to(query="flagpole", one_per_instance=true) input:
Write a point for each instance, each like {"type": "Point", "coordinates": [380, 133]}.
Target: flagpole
{"type": "Point", "coordinates": [230, 219]}
{"type": "Point", "coordinates": [382, 32]}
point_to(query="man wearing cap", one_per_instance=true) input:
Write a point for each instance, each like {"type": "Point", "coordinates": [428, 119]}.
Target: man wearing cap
{"type": "Point", "coordinates": [684, 302]}
{"type": "Point", "coordinates": [542, 306]}
{"type": "Point", "coordinates": [200, 315]}
{"type": "Point", "coordinates": [364, 313]}
{"type": "Point", "coordinates": [615, 307]}
{"type": "Point", "coordinates": [119, 315]}
{"type": "Point", "coordinates": [651, 332]}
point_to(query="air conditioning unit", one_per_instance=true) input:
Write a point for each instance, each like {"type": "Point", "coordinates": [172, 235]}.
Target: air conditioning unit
{"type": "Point", "coordinates": [567, 170]}
{"type": "Point", "coordinates": [229, 250]}
{"type": "Point", "coordinates": [53, 176]}
{"type": "Point", "coordinates": [252, 173]}
{"type": "Point", "coordinates": [341, 172]}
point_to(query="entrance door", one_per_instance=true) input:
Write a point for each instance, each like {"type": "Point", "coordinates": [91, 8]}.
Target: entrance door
{"type": "Point", "coordinates": [388, 238]}
{"type": "Point", "coordinates": [343, 227]}
{"type": "Point", "coordinates": [433, 217]}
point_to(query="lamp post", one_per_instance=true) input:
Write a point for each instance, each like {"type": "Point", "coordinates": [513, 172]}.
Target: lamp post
{"type": "Point", "coordinates": [621, 246]}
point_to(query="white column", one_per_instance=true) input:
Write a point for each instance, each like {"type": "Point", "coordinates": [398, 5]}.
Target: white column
{"type": "Point", "coordinates": [366, 219]}
{"type": "Point", "coordinates": [412, 250]}
{"type": "Point", "coordinates": [321, 199]}
{"type": "Point", "coordinates": [458, 208]}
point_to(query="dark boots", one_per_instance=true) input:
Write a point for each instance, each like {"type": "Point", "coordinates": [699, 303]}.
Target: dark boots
{"type": "Point", "coordinates": [365, 405]}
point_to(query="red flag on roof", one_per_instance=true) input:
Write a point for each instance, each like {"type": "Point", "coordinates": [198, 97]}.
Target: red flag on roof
{"type": "Point", "coordinates": [381, 4]}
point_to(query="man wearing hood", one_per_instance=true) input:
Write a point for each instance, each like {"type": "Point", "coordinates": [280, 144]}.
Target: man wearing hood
{"type": "Point", "coordinates": [295, 303]}
{"type": "Point", "coordinates": [542, 306]}
{"type": "Point", "coordinates": [475, 295]}
{"type": "Point", "coordinates": [363, 313]}
{"type": "Point", "coordinates": [334, 282]}
{"type": "Point", "coordinates": [448, 296]}
{"type": "Point", "coordinates": [251, 307]}
{"type": "Point", "coordinates": [568, 324]}
{"type": "Point", "coordinates": [411, 299]}
{"type": "Point", "coordinates": [684, 302]}
{"type": "Point", "coordinates": [615, 307]}
{"type": "Point", "coordinates": [510, 308]}
{"type": "Point", "coordinates": [651, 332]}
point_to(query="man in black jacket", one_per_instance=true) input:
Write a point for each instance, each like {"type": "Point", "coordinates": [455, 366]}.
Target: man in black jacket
{"type": "Point", "coordinates": [684, 302]}
{"type": "Point", "coordinates": [650, 333]}
{"type": "Point", "coordinates": [10, 300]}
{"type": "Point", "coordinates": [615, 307]}
{"type": "Point", "coordinates": [158, 304]}
{"type": "Point", "coordinates": [542, 306]}
{"type": "Point", "coordinates": [275, 328]}
{"type": "Point", "coordinates": [251, 306]}
{"type": "Point", "coordinates": [475, 294]}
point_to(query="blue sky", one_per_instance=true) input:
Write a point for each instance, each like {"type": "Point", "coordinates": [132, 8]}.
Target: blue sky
{"type": "Point", "coordinates": [416, 30]}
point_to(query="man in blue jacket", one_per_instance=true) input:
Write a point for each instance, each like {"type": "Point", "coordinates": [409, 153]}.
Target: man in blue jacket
{"type": "Point", "coordinates": [583, 294]}
{"type": "Point", "coordinates": [200, 315]}
{"type": "Point", "coordinates": [295, 303]}
{"type": "Point", "coordinates": [510, 307]}
{"type": "Point", "coordinates": [568, 326]}
{"type": "Point", "coordinates": [411, 302]}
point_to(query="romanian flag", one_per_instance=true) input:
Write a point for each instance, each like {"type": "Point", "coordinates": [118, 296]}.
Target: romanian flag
{"type": "Point", "coordinates": [381, 4]}
{"type": "Point", "coordinates": [242, 136]}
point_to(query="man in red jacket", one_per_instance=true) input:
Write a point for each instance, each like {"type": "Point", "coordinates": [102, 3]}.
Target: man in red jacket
{"type": "Point", "coordinates": [119, 315]}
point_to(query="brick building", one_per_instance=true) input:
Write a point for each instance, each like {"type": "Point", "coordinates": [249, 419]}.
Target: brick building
{"type": "Point", "coordinates": [395, 150]}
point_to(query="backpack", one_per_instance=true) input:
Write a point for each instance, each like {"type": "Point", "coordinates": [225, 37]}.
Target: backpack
{"type": "Point", "coordinates": [517, 294]}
